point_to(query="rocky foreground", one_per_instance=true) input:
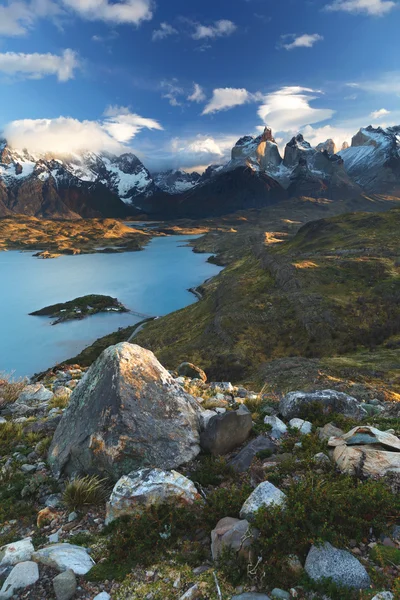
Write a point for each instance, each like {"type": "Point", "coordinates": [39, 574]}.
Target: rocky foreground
{"type": "Point", "coordinates": [129, 481]}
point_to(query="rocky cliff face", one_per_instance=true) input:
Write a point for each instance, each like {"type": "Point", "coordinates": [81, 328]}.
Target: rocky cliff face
{"type": "Point", "coordinates": [261, 152]}
{"type": "Point", "coordinates": [373, 159]}
{"type": "Point", "coordinates": [176, 181]}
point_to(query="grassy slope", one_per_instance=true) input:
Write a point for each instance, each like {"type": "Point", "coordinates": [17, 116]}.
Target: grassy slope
{"type": "Point", "coordinates": [308, 296]}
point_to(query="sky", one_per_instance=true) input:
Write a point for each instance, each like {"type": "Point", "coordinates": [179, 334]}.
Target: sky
{"type": "Point", "coordinates": [178, 81]}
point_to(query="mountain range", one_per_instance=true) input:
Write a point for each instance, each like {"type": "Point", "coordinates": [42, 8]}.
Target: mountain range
{"type": "Point", "coordinates": [106, 185]}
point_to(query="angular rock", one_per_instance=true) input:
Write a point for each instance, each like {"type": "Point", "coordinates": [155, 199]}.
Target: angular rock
{"type": "Point", "coordinates": [17, 552]}
{"type": "Point", "coordinates": [305, 427]}
{"type": "Point", "coordinates": [140, 489]}
{"type": "Point", "coordinates": [62, 391]}
{"type": "Point", "coordinates": [342, 567]}
{"type": "Point", "coordinates": [23, 575]}
{"type": "Point", "coordinates": [227, 431]}
{"type": "Point", "coordinates": [36, 392]}
{"type": "Point", "coordinates": [187, 369]}
{"type": "Point", "coordinates": [126, 413]}
{"type": "Point", "coordinates": [63, 557]}
{"type": "Point", "coordinates": [64, 585]}
{"type": "Point", "coordinates": [330, 401]}
{"type": "Point", "coordinates": [265, 494]}
{"type": "Point", "coordinates": [242, 461]}
{"type": "Point", "coordinates": [278, 427]}
{"type": "Point", "coordinates": [102, 596]}
{"type": "Point", "coordinates": [384, 596]}
{"type": "Point", "coordinates": [205, 417]}
{"type": "Point", "coordinates": [48, 426]}
{"type": "Point", "coordinates": [251, 596]}
{"type": "Point", "coordinates": [366, 435]}
{"type": "Point", "coordinates": [329, 430]}
{"type": "Point", "coordinates": [232, 534]}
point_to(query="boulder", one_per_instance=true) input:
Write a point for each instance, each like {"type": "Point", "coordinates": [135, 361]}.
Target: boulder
{"type": "Point", "coordinates": [343, 568]}
{"type": "Point", "coordinates": [242, 461]}
{"type": "Point", "coordinates": [278, 427]}
{"type": "Point", "coordinates": [330, 401]}
{"type": "Point", "coordinates": [384, 596]}
{"type": "Point", "coordinates": [17, 552]}
{"type": "Point", "coordinates": [187, 369]}
{"type": "Point", "coordinates": [305, 427]}
{"type": "Point", "coordinates": [127, 413]}
{"type": "Point", "coordinates": [36, 392]}
{"type": "Point", "coordinates": [368, 449]}
{"type": "Point", "coordinates": [227, 431]}
{"type": "Point", "coordinates": [329, 430]}
{"type": "Point", "coordinates": [23, 575]}
{"type": "Point", "coordinates": [232, 534]}
{"type": "Point", "coordinates": [65, 585]}
{"type": "Point", "coordinates": [137, 491]}
{"type": "Point", "coordinates": [251, 596]}
{"type": "Point", "coordinates": [63, 557]}
{"type": "Point", "coordinates": [205, 416]}
{"type": "Point", "coordinates": [265, 494]}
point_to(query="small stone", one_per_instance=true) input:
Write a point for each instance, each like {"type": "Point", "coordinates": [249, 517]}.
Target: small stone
{"type": "Point", "coordinates": [28, 468]}
{"type": "Point", "coordinates": [265, 494]}
{"type": "Point", "coordinates": [54, 500]}
{"type": "Point", "coordinates": [251, 596]}
{"type": "Point", "coordinates": [278, 427]}
{"type": "Point", "coordinates": [54, 538]}
{"type": "Point", "coordinates": [72, 516]}
{"type": "Point", "coordinates": [322, 459]}
{"type": "Point", "coordinates": [102, 596]}
{"type": "Point", "coordinates": [23, 575]}
{"type": "Point", "coordinates": [305, 427]}
{"type": "Point", "coordinates": [278, 593]}
{"type": "Point", "coordinates": [193, 593]}
{"type": "Point", "coordinates": [65, 585]}
{"type": "Point", "coordinates": [201, 569]}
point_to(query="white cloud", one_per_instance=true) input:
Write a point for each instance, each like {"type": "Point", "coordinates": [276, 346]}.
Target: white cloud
{"type": "Point", "coordinates": [226, 98]}
{"type": "Point", "coordinates": [289, 109]}
{"type": "Point", "coordinates": [301, 41]}
{"type": "Point", "coordinates": [375, 8]}
{"type": "Point", "coordinates": [221, 28]}
{"type": "Point", "coordinates": [378, 114]}
{"type": "Point", "coordinates": [164, 31]}
{"type": "Point", "coordinates": [18, 16]}
{"type": "Point", "coordinates": [197, 95]}
{"type": "Point", "coordinates": [385, 83]}
{"type": "Point", "coordinates": [126, 11]}
{"type": "Point", "coordinates": [36, 66]}
{"type": "Point", "coordinates": [65, 135]}
{"type": "Point", "coordinates": [172, 91]}
{"type": "Point", "coordinates": [201, 150]}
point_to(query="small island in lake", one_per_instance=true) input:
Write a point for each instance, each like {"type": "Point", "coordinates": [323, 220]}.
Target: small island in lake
{"type": "Point", "coordinates": [80, 308]}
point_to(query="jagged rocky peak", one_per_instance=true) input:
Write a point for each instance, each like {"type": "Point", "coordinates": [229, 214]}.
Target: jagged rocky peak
{"type": "Point", "coordinates": [329, 145]}
{"type": "Point", "coordinates": [261, 151]}
{"type": "Point", "coordinates": [210, 172]}
{"type": "Point", "coordinates": [345, 145]}
{"type": "Point", "coordinates": [297, 148]}
{"type": "Point", "coordinates": [176, 181]}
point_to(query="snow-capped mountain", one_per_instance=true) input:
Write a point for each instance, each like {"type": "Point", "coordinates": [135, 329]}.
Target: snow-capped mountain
{"type": "Point", "coordinates": [373, 159]}
{"type": "Point", "coordinates": [176, 181]}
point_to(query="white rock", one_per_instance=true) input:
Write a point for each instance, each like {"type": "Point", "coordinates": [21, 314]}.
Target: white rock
{"type": "Point", "coordinates": [17, 552]}
{"type": "Point", "coordinates": [64, 557]}
{"type": "Point", "coordinates": [35, 392]}
{"type": "Point", "coordinates": [384, 596]}
{"type": "Point", "coordinates": [23, 574]}
{"type": "Point", "coordinates": [265, 494]}
{"type": "Point", "coordinates": [102, 596]}
{"type": "Point", "coordinates": [146, 487]}
{"type": "Point", "coordinates": [278, 427]}
{"type": "Point", "coordinates": [305, 427]}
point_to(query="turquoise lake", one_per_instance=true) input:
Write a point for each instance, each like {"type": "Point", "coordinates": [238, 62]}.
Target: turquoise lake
{"type": "Point", "coordinates": [154, 282]}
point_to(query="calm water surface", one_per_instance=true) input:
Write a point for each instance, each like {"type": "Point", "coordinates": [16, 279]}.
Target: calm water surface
{"type": "Point", "coordinates": [153, 282]}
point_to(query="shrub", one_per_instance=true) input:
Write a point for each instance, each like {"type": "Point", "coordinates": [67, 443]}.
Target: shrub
{"type": "Point", "coordinates": [85, 491]}
{"type": "Point", "coordinates": [211, 471]}
{"type": "Point", "coordinates": [59, 402]}
{"type": "Point", "coordinates": [10, 434]}
{"type": "Point", "coordinates": [9, 389]}
{"type": "Point", "coordinates": [385, 555]}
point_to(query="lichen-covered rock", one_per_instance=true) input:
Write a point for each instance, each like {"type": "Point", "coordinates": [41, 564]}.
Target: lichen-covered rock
{"type": "Point", "coordinates": [265, 494]}
{"type": "Point", "coordinates": [127, 413]}
{"type": "Point", "coordinates": [278, 427]}
{"type": "Point", "coordinates": [232, 534]}
{"type": "Point", "coordinates": [225, 432]}
{"type": "Point", "coordinates": [17, 552]}
{"type": "Point", "coordinates": [63, 557]}
{"type": "Point", "coordinates": [23, 575]}
{"type": "Point", "coordinates": [343, 568]}
{"type": "Point", "coordinates": [329, 401]}
{"type": "Point", "coordinates": [304, 427]}
{"type": "Point", "coordinates": [187, 369]}
{"type": "Point", "coordinates": [140, 489]}
{"type": "Point", "coordinates": [36, 392]}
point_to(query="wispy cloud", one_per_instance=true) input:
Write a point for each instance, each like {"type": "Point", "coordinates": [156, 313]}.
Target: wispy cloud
{"type": "Point", "coordinates": [384, 83]}
{"type": "Point", "coordinates": [226, 98]}
{"type": "Point", "coordinates": [172, 91]}
{"type": "Point", "coordinates": [375, 8]}
{"type": "Point", "coordinates": [379, 114]}
{"type": "Point", "coordinates": [197, 95]}
{"type": "Point", "coordinates": [165, 30]}
{"type": "Point", "coordinates": [306, 40]}
{"type": "Point", "coordinates": [221, 28]}
{"type": "Point", "coordinates": [36, 66]}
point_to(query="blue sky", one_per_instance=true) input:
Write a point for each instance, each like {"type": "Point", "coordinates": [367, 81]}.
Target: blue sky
{"type": "Point", "coordinates": [180, 81]}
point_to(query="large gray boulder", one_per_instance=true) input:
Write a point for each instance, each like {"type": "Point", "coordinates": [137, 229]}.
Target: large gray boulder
{"type": "Point", "coordinates": [343, 568]}
{"type": "Point", "coordinates": [330, 401]}
{"type": "Point", "coordinates": [64, 557]}
{"type": "Point", "coordinates": [126, 413]}
{"type": "Point", "coordinates": [226, 432]}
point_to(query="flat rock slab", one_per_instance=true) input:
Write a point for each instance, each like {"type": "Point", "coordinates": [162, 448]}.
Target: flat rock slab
{"type": "Point", "coordinates": [242, 461]}
{"type": "Point", "coordinates": [16, 552]}
{"type": "Point", "coordinates": [137, 491]}
{"type": "Point", "coordinates": [265, 494]}
{"type": "Point", "coordinates": [65, 556]}
{"type": "Point", "coordinates": [342, 567]}
{"type": "Point", "coordinates": [226, 432]}
{"type": "Point", "coordinates": [23, 575]}
{"type": "Point", "coordinates": [330, 401]}
{"type": "Point", "coordinates": [126, 413]}
{"type": "Point", "coordinates": [36, 392]}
